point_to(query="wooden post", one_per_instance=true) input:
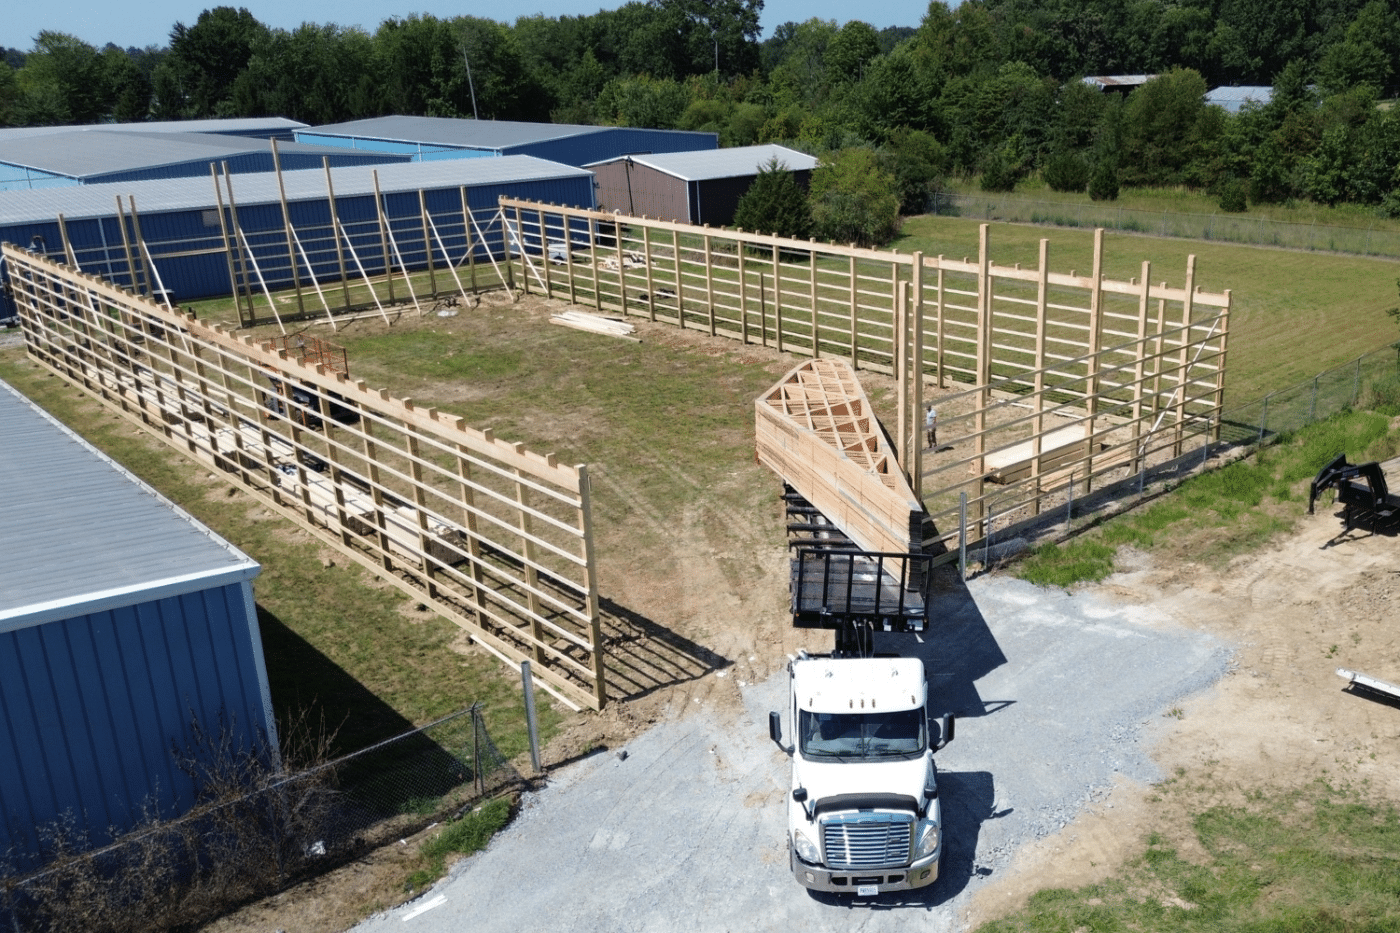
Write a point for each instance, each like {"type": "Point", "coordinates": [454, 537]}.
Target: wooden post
{"type": "Point", "coordinates": [335, 235]}
{"type": "Point", "coordinates": [916, 407]}
{"type": "Point", "coordinates": [530, 559]}
{"type": "Point", "coordinates": [229, 257]}
{"type": "Point", "coordinates": [984, 367]}
{"type": "Point", "coordinates": [1219, 403]}
{"type": "Point", "coordinates": [676, 271]}
{"type": "Point", "coordinates": [855, 316]}
{"type": "Point", "coordinates": [287, 227]}
{"type": "Point", "coordinates": [384, 236]}
{"type": "Point", "coordinates": [1139, 376]}
{"type": "Point", "coordinates": [941, 316]}
{"type": "Point", "coordinates": [621, 264]}
{"type": "Point", "coordinates": [520, 243]}
{"type": "Point", "coordinates": [777, 298]}
{"type": "Point", "coordinates": [743, 294]}
{"type": "Point", "coordinates": [590, 581]}
{"type": "Point", "coordinates": [1182, 365]}
{"type": "Point", "coordinates": [1042, 309]}
{"type": "Point", "coordinates": [816, 328]}
{"type": "Point", "coordinates": [569, 257]}
{"type": "Point", "coordinates": [899, 347]}
{"type": "Point", "coordinates": [376, 487]}
{"type": "Point", "coordinates": [1091, 383]}
{"type": "Point", "coordinates": [651, 286]}
{"type": "Point", "coordinates": [469, 522]}
{"type": "Point", "coordinates": [709, 279]}
{"type": "Point", "coordinates": [544, 253]}
{"type": "Point", "coordinates": [427, 242]}
{"type": "Point", "coordinates": [467, 232]}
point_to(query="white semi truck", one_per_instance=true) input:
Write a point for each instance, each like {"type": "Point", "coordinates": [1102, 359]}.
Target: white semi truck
{"type": "Point", "coordinates": [863, 814]}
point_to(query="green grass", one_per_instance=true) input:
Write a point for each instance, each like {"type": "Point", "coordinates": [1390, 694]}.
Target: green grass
{"type": "Point", "coordinates": [1312, 860]}
{"type": "Point", "coordinates": [1217, 515]}
{"type": "Point", "coordinates": [463, 836]}
{"type": "Point", "coordinates": [326, 631]}
{"type": "Point", "coordinates": [1293, 313]}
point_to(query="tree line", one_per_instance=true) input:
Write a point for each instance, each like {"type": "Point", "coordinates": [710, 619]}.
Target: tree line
{"type": "Point", "coordinates": [989, 89]}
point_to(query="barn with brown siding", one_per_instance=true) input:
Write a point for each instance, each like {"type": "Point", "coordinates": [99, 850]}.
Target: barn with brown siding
{"type": "Point", "coordinates": [690, 187]}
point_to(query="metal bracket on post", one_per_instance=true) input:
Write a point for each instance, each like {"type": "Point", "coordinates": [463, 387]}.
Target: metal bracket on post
{"type": "Point", "coordinates": [527, 684]}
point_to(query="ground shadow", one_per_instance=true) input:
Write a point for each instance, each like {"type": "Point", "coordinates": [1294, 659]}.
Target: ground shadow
{"type": "Point", "coordinates": [304, 682]}
{"type": "Point", "coordinates": [1364, 522]}
{"type": "Point", "coordinates": [644, 656]}
{"type": "Point", "coordinates": [957, 649]}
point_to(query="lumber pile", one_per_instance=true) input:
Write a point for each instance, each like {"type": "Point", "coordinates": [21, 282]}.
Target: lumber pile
{"type": "Point", "coordinates": [597, 324]}
{"type": "Point", "coordinates": [817, 431]}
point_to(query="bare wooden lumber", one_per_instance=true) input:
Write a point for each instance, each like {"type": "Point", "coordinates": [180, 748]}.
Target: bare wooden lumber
{"type": "Point", "coordinates": [817, 431]}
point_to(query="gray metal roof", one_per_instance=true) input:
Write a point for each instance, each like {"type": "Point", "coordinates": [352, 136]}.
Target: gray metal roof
{"type": "Point", "coordinates": [86, 153]}
{"type": "Point", "coordinates": [43, 205]}
{"type": "Point", "coordinates": [80, 534]}
{"type": "Point", "coordinates": [240, 125]}
{"type": "Point", "coordinates": [1103, 82]}
{"type": "Point", "coordinates": [721, 163]}
{"type": "Point", "coordinates": [476, 134]}
{"type": "Point", "coordinates": [1233, 99]}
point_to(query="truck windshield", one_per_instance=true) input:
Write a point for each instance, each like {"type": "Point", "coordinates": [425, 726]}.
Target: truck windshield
{"type": "Point", "coordinates": [862, 735]}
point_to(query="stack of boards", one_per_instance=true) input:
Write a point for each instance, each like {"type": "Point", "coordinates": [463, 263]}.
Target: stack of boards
{"type": "Point", "coordinates": [596, 323]}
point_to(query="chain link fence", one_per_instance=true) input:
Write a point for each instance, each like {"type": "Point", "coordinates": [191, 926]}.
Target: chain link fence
{"type": "Point", "coordinates": [1378, 239]}
{"type": "Point", "coordinates": [239, 845]}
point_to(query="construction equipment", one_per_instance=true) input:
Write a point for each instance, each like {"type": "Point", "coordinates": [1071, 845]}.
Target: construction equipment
{"type": "Point", "coordinates": [1361, 488]}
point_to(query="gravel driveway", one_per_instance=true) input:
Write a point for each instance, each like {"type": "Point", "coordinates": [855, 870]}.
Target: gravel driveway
{"type": "Point", "coordinates": [1057, 695]}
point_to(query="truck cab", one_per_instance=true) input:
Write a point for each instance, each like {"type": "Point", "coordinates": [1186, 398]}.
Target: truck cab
{"type": "Point", "coordinates": [863, 812]}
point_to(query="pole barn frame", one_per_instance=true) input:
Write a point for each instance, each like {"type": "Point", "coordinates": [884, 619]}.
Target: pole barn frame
{"type": "Point", "coordinates": [494, 537]}
{"type": "Point", "coordinates": [1043, 380]}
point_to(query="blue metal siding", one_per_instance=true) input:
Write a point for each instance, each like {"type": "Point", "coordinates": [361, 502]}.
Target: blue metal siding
{"type": "Point", "coordinates": [22, 178]}
{"type": "Point", "coordinates": [610, 142]}
{"type": "Point", "coordinates": [90, 708]}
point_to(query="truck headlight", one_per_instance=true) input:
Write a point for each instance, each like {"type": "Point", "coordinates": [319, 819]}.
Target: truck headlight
{"type": "Point", "coordinates": [926, 842]}
{"type": "Point", "coordinates": [805, 848]}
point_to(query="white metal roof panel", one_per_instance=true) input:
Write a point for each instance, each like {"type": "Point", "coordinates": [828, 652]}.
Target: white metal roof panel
{"type": "Point", "coordinates": [1234, 98]}
{"type": "Point", "coordinates": [476, 134]}
{"type": "Point", "coordinates": [39, 206]}
{"type": "Point", "coordinates": [239, 125]}
{"type": "Point", "coordinates": [707, 164]}
{"type": "Point", "coordinates": [80, 534]}
{"type": "Point", "coordinates": [84, 153]}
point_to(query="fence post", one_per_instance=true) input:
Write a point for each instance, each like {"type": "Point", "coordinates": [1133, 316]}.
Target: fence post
{"type": "Point", "coordinates": [987, 544]}
{"type": "Point", "coordinates": [962, 535]}
{"type": "Point", "coordinates": [1312, 409]}
{"type": "Point", "coordinates": [1069, 502]}
{"type": "Point", "coordinates": [1356, 383]}
{"type": "Point", "coordinates": [527, 683]}
{"type": "Point", "coordinates": [1264, 418]}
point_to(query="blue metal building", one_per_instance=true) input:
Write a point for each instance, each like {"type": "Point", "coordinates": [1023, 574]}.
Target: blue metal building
{"type": "Point", "coordinates": [103, 156]}
{"type": "Point", "coordinates": [428, 139]}
{"type": "Point", "coordinates": [122, 621]}
{"type": "Point", "coordinates": [188, 240]}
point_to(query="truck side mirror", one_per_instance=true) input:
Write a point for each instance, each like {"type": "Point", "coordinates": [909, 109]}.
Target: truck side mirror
{"type": "Point", "coordinates": [775, 730]}
{"type": "Point", "coordinates": [946, 727]}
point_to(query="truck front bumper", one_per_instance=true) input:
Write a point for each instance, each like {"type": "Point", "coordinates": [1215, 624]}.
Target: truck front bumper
{"type": "Point", "coordinates": [921, 873]}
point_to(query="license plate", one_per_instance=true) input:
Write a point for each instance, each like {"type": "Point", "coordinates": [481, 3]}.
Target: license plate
{"type": "Point", "coordinates": [867, 890]}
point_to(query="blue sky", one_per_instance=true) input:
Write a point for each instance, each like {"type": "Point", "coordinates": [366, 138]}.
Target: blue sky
{"type": "Point", "coordinates": [148, 23]}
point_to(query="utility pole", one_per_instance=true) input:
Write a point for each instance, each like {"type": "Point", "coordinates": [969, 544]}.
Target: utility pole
{"type": "Point", "coordinates": [470, 85]}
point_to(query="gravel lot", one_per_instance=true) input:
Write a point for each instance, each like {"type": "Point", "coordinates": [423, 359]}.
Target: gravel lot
{"type": "Point", "coordinates": [1059, 695]}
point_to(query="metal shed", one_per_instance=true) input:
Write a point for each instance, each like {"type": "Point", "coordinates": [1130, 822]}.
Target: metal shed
{"type": "Point", "coordinates": [122, 621]}
{"type": "Point", "coordinates": [691, 187]}
{"type": "Point", "coordinates": [279, 128]}
{"type": "Point", "coordinates": [433, 138]}
{"type": "Point", "coordinates": [1233, 99]}
{"type": "Point", "coordinates": [190, 235]}
{"type": "Point", "coordinates": [100, 156]}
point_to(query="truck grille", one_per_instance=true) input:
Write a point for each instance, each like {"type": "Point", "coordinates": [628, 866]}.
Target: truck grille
{"type": "Point", "coordinates": [867, 840]}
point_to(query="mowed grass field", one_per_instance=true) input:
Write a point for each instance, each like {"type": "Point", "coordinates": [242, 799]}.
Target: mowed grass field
{"type": "Point", "coordinates": [1293, 313]}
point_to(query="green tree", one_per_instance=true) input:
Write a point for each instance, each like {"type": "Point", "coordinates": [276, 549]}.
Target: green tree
{"type": "Point", "coordinates": [1066, 171]}
{"type": "Point", "coordinates": [775, 204]}
{"type": "Point", "coordinates": [851, 49]}
{"type": "Point", "coordinates": [1103, 184]}
{"type": "Point", "coordinates": [64, 80]}
{"type": "Point", "coordinates": [196, 78]}
{"type": "Point", "coordinates": [919, 165]}
{"type": "Point", "coordinates": [1165, 128]}
{"type": "Point", "coordinates": [853, 199]}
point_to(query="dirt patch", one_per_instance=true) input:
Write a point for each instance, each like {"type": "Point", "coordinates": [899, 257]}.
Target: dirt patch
{"type": "Point", "coordinates": [1301, 609]}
